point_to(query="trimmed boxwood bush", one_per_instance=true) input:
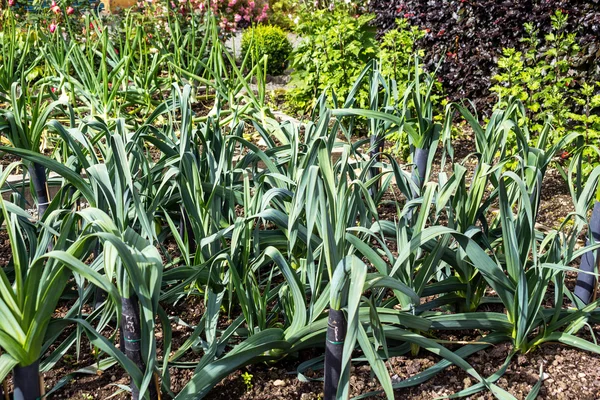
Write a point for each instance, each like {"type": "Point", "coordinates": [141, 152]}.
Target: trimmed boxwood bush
{"type": "Point", "coordinates": [271, 41]}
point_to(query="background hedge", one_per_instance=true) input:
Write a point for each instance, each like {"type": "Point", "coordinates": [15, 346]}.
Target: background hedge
{"type": "Point", "coordinates": [470, 34]}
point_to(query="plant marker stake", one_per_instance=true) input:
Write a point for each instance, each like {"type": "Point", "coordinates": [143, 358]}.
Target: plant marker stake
{"type": "Point", "coordinates": [27, 382]}
{"type": "Point", "coordinates": [420, 157]}
{"type": "Point", "coordinates": [131, 337]}
{"type": "Point", "coordinates": [420, 160]}
{"type": "Point", "coordinates": [334, 349]}
{"type": "Point", "coordinates": [376, 149]}
{"type": "Point", "coordinates": [584, 288]}
{"type": "Point", "coordinates": [99, 297]}
{"type": "Point", "coordinates": [38, 178]}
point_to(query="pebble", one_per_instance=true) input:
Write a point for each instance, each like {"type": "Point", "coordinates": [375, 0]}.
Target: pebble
{"type": "Point", "coordinates": [545, 376]}
{"type": "Point", "coordinates": [467, 382]}
{"type": "Point", "coordinates": [279, 382]}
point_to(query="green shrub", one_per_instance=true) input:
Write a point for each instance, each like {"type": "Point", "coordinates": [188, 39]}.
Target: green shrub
{"type": "Point", "coordinates": [271, 41]}
{"type": "Point", "coordinates": [335, 48]}
{"type": "Point", "coordinates": [397, 49]}
{"type": "Point", "coordinates": [542, 77]}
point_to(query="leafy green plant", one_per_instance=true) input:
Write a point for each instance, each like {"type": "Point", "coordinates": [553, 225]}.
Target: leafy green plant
{"type": "Point", "coordinates": [540, 76]}
{"type": "Point", "coordinates": [270, 41]}
{"type": "Point", "coordinates": [247, 379]}
{"type": "Point", "coordinates": [587, 122]}
{"type": "Point", "coordinates": [331, 56]}
{"type": "Point", "coordinates": [398, 47]}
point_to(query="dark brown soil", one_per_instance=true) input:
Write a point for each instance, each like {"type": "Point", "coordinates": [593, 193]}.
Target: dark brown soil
{"type": "Point", "coordinates": [568, 374]}
{"type": "Point", "coordinates": [6, 159]}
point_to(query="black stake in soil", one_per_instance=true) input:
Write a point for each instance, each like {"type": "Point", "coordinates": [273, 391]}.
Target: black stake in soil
{"type": "Point", "coordinates": [420, 157]}
{"type": "Point", "coordinates": [584, 289]}
{"type": "Point", "coordinates": [131, 336]}
{"type": "Point", "coordinates": [27, 382]}
{"type": "Point", "coordinates": [99, 297]}
{"type": "Point", "coordinates": [37, 173]}
{"type": "Point", "coordinates": [376, 148]}
{"type": "Point", "coordinates": [420, 160]}
{"type": "Point", "coordinates": [334, 349]}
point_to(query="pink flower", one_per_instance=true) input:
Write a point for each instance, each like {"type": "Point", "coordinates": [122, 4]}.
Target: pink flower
{"type": "Point", "coordinates": [251, 5]}
{"type": "Point", "coordinates": [54, 7]}
{"type": "Point", "coordinates": [232, 3]}
{"type": "Point", "coordinates": [70, 10]}
{"type": "Point", "coordinates": [11, 3]}
{"type": "Point", "coordinates": [237, 18]}
{"type": "Point", "coordinates": [53, 27]}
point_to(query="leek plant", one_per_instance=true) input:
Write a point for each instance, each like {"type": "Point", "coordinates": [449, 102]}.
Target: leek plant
{"type": "Point", "coordinates": [24, 125]}
{"type": "Point", "coordinates": [420, 125]}
{"type": "Point", "coordinates": [223, 79]}
{"type": "Point", "coordinates": [16, 53]}
{"type": "Point", "coordinates": [585, 289]}
{"type": "Point", "coordinates": [583, 197]}
{"type": "Point", "coordinates": [187, 47]}
{"type": "Point", "coordinates": [136, 266]}
{"type": "Point", "coordinates": [100, 74]}
{"type": "Point", "coordinates": [464, 203]}
{"type": "Point", "coordinates": [113, 163]}
{"type": "Point", "coordinates": [31, 286]}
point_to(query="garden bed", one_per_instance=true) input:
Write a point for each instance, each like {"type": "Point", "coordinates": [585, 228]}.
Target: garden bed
{"type": "Point", "coordinates": [188, 226]}
{"type": "Point", "coordinates": [568, 373]}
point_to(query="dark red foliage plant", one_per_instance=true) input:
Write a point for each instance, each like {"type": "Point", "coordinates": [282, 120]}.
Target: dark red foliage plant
{"type": "Point", "coordinates": [470, 35]}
